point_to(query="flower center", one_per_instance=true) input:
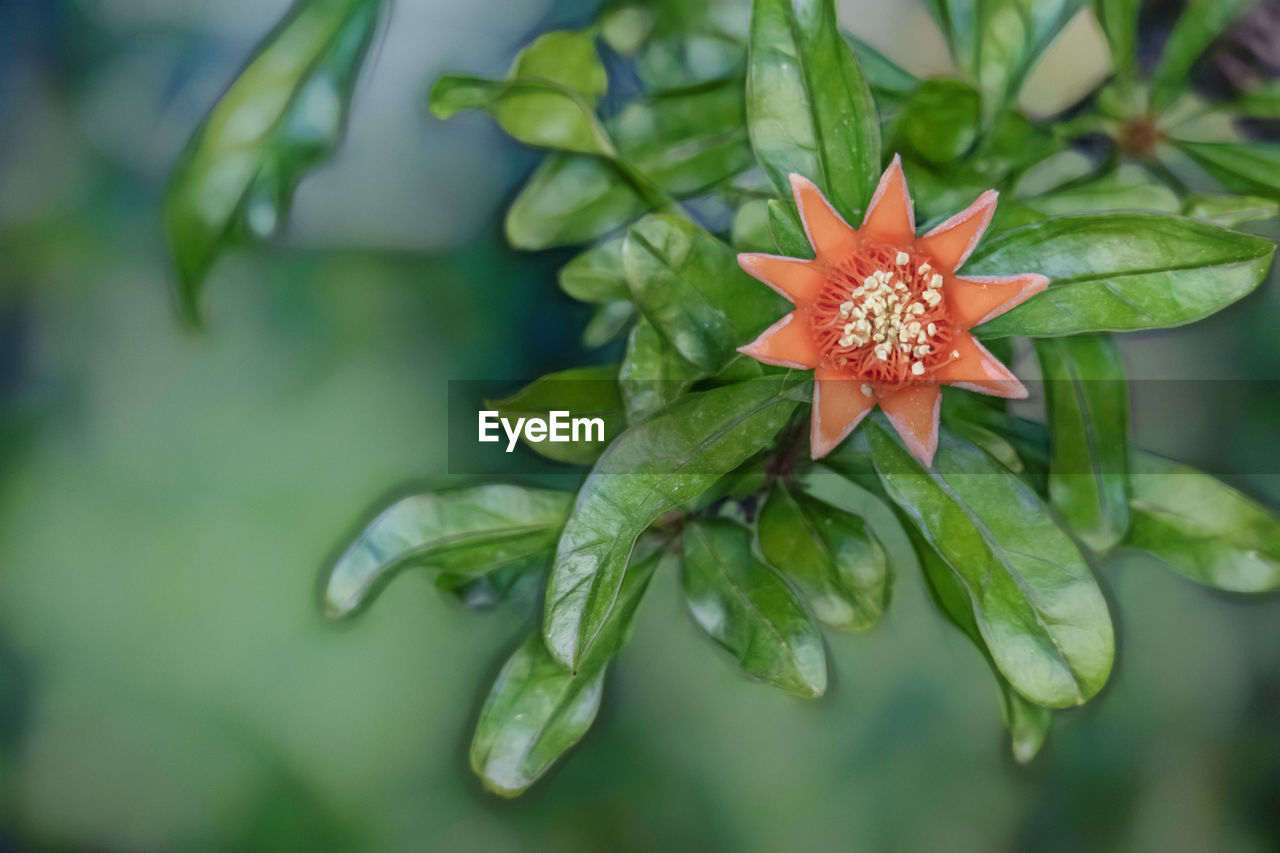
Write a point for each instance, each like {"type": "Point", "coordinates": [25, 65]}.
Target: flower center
{"type": "Point", "coordinates": [882, 316]}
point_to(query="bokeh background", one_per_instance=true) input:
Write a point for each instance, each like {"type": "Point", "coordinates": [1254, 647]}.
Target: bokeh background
{"type": "Point", "coordinates": [167, 499]}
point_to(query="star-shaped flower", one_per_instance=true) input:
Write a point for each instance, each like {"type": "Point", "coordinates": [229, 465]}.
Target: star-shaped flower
{"type": "Point", "coordinates": [881, 316]}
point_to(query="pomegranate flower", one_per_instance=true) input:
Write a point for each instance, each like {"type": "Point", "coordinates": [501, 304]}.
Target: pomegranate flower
{"type": "Point", "coordinates": [881, 316]}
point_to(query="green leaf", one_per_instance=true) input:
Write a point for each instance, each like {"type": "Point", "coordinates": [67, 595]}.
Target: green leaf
{"type": "Point", "coordinates": [609, 321]}
{"type": "Point", "coordinates": [745, 607]}
{"type": "Point", "coordinates": [1087, 397]}
{"type": "Point", "coordinates": [283, 115]}
{"type": "Point", "coordinates": [1124, 189]}
{"type": "Point", "coordinates": [809, 109]}
{"type": "Point", "coordinates": [996, 42]}
{"type": "Point", "coordinates": [1028, 723]}
{"type": "Point", "coordinates": [537, 710]}
{"type": "Point", "coordinates": [548, 99]}
{"type": "Point", "coordinates": [750, 231]}
{"type": "Point", "coordinates": [1121, 272]}
{"type": "Point", "coordinates": [788, 231]}
{"type": "Point", "coordinates": [569, 200]}
{"type": "Point", "coordinates": [1202, 528]}
{"type": "Point", "coordinates": [939, 121]}
{"type": "Point", "coordinates": [1119, 22]}
{"type": "Point", "coordinates": [651, 468]}
{"type": "Point", "coordinates": [465, 531]}
{"type": "Point", "coordinates": [1201, 23]}
{"type": "Point", "coordinates": [653, 374]}
{"type": "Point", "coordinates": [689, 286]}
{"type": "Point", "coordinates": [889, 82]}
{"type": "Point", "coordinates": [686, 60]}
{"type": "Point", "coordinates": [1262, 102]}
{"type": "Point", "coordinates": [596, 275]}
{"type": "Point", "coordinates": [1242, 167]}
{"type": "Point", "coordinates": [829, 555]}
{"type": "Point", "coordinates": [583, 392]}
{"type": "Point", "coordinates": [1038, 608]}
{"type": "Point", "coordinates": [1230, 211]}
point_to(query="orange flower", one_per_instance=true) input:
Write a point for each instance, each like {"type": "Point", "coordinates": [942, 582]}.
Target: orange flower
{"type": "Point", "coordinates": [881, 316]}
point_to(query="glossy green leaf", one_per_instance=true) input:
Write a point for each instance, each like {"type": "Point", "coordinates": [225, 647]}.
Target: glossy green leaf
{"type": "Point", "coordinates": [1230, 211]}
{"type": "Point", "coordinates": [1037, 607]}
{"type": "Point", "coordinates": [809, 109]}
{"type": "Point", "coordinates": [596, 275]}
{"type": "Point", "coordinates": [1119, 22]}
{"type": "Point", "coordinates": [464, 531]}
{"type": "Point", "coordinates": [282, 115]}
{"type": "Point", "coordinates": [653, 374]}
{"type": "Point", "coordinates": [609, 321]}
{"type": "Point", "coordinates": [1124, 189]}
{"type": "Point", "coordinates": [689, 286]}
{"type": "Point", "coordinates": [939, 121]}
{"type": "Point", "coordinates": [583, 392]}
{"type": "Point", "coordinates": [1242, 167]}
{"type": "Point", "coordinates": [569, 200]}
{"type": "Point", "coordinates": [1202, 528]}
{"type": "Point", "coordinates": [996, 42]}
{"type": "Point", "coordinates": [657, 465]}
{"type": "Point", "coordinates": [1121, 272]}
{"type": "Point", "coordinates": [829, 555]}
{"type": "Point", "coordinates": [1087, 397]}
{"type": "Point", "coordinates": [889, 82]}
{"type": "Point", "coordinates": [1028, 723]}
{"type": "Point", "coordinates": [1202, 21]}
{"type": "Point", "coordinates": [751, 612]}
{"type": "Point", "coordinates": [548, 98]}
{"type": "Point", "coordinates": [537, 709]}
{"type": "Point", "coordinates": [788, 231]}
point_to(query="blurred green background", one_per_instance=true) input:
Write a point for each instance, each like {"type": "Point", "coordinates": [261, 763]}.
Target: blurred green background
{"type": "Point", "coordinates": [166, 501]}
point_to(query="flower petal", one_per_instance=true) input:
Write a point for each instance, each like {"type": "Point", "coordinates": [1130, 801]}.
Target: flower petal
{"type": "Point", "coordinates": [890, 217]}
{"type": "Point", "coordinates": [978, 370]}
{"type": "Point", "coordinates": [786, 343]}
{"type": "Point", "coordinates": [913, 411]}
{"type": "Point", "coordinates": [838, 406]}
{"type": "Point", "coordinates": [832, 238]}
{"type": "Point", "coordinates": [973, 300]}
{"type": "Point", "coordinates": [951, 243]}
{"type": "Point", "coordinates": [797, 280]}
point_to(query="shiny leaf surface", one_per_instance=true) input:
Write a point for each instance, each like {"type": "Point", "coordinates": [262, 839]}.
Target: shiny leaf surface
{"type": "Point", "coordinates": [652, 374]}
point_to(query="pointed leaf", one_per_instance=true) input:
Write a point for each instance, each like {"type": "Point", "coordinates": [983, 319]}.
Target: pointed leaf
{"type": "Point", "coordinates": [1119, 22]}
{"type": "Point", "coordinates": [746, 608]}
{"type": "Point", "coordinates": [1242, 167]}
{"type": "Point", "coordinates": [788, 231]}
{"type": "Point", "coordinates": [1230, 211]}
{"type": "Point", "coordinates": [1202, 21]}
{"type": "Point", "coordinates": [284, 114]}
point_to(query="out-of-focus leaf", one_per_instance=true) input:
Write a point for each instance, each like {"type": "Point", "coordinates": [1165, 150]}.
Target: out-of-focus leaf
{"type": "Point", "coordinates": [683, 60]}
{"type": "Point", "coordinates": [689, 286]}
{"type": "Point", "coordinates": [830, 556]}
{"type": "Point", "coordinates": [609, 321]}
{"type": "Point", "coordinates": [889, 82]}
{"type": "Point", "coordinates": [996, 42]}
{"type": "Point", "coordinates": [537, 709]}
{"type": "Point", "coordinates": [1242, 167]}
{"type": "Point", "coordinates": [582, 392]}
{"type": "Point", "coordinates": [1028, 723]}
{"type": "Point", "coordinates": [1121, 272]}
{"type": "Point", "coordinates": [1124, 189]}
{"type": "Point", "coordinates": [1038, 608]}
{"type": "Point", "coordinates": [548, 98]}
{"type": "Point", "coordinates": [1201, 23]}
{"type": "Point", "coordinates": [679, 143]}
{"type": "Point", "coordinates": [750, 231]}
{"type": "Point", "coordinates": [939, 121]}
{"type": "Point", "coordinates": [1263, 102]}
{"type": "Point", "coordinates": [1231, 210]}
{"type": "Point", "coordinates": [596, 274]}
{"type": "Point", "coordinates": [1119, 22]}
{"type": "Point", "coordinates": [465, 531]}
{"type": "Point", "coordinates": [657, 465]}
{"type": "Point", "coordinates": [653, 374]}
{"type": "Point", "coordinates": [1202, 528]}
{"type": "Point", "coordinates": [788, 232]}
{"type": "Point", "coordinates": [746, 608]}
{"type": "Point", "coordinates": [625, 28]}
{"type": "Point", "coordinates": [282, 115]}
{"type": "Point", "coordinates": [1088, 405]}
{"type": "Point", "coordinates": [809, 109]}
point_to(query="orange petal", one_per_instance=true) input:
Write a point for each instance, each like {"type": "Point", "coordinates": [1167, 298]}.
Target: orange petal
{"type": "Point", "coordinates": [890, 217]}
{"type": "Point", "coordinates": [913, 411]}
{"type": "Point", "coordinates": [797, 280]}
{"type": "Point", "coordinates": [954, 240]}
{"type": "Point", "coordinates": [973, 300]}
{"type": "Point", "coordinates": [978, 370]}
{"type": "Point", "coordinates": [786, 343]}
{"type": "Point", "coordinates": [838, 406]}
{"type": "Point", "coordinates": [832, 238]}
